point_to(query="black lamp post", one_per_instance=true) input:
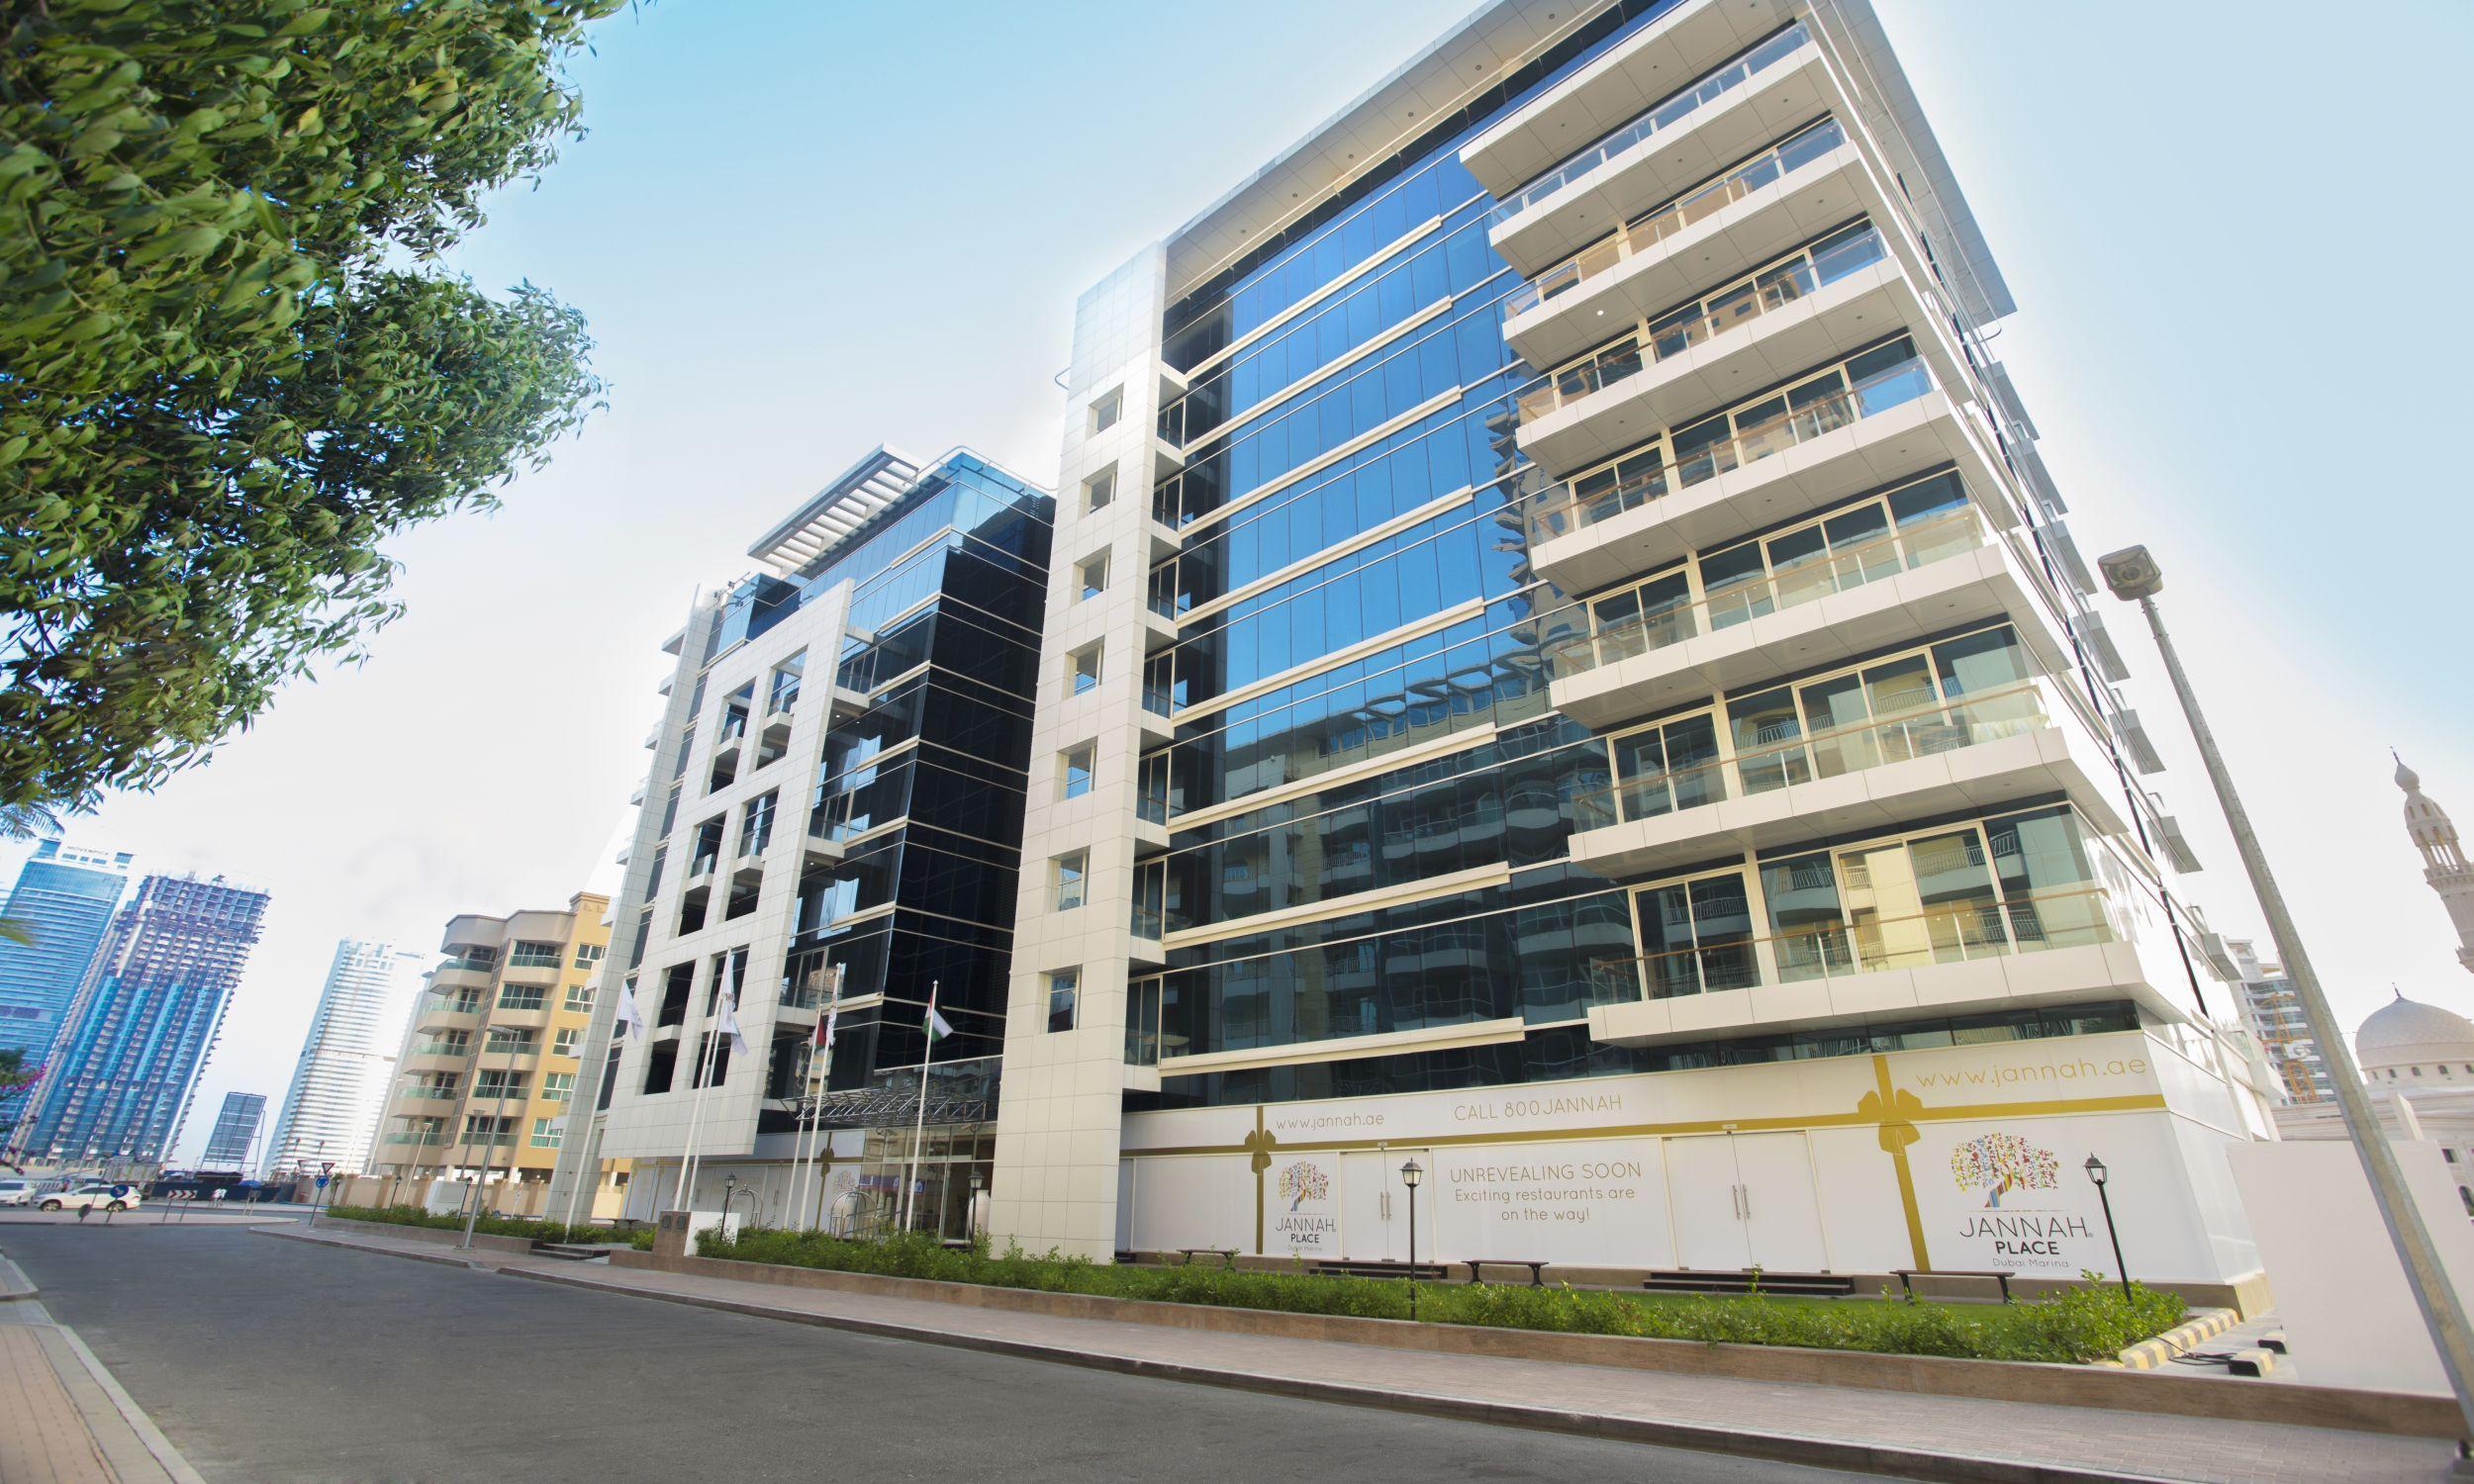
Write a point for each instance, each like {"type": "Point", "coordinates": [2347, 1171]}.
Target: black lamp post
{"type": "Point", "coordinates": [1411, 1174]}
{"type": "Point", "coordinates": [2096, 1173]}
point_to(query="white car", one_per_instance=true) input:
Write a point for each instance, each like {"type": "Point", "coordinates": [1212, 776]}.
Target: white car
{"type": "Point", "coordinates": [91, 1197]}
{"type": "Point", "coordinates": [16, 1192]}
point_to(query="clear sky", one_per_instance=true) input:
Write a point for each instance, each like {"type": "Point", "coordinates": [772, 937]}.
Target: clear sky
{"type": "Point", "coordinates": [802, 230]}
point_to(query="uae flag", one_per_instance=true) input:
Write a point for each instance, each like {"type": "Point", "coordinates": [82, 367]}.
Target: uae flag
{"type": "Point", "coordinates": [938, 1028]}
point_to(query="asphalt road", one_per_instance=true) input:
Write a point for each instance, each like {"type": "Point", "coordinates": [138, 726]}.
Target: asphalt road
{"type": "Point", "coordinates": [278, 1361]}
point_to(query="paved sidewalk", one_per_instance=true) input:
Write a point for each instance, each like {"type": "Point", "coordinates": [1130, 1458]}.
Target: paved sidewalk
{"type": "Point", "coordinates": [1916, 1435]}
{"type": "Point", "coordinates": [62, 1419]}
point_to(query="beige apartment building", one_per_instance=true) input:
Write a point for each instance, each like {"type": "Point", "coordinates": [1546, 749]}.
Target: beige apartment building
{"type": "Point", "coordinates": [491, 1060]}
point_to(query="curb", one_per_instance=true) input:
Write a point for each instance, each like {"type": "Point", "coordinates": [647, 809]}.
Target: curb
{"type": "Point", "coordinates": [14, 1284]}
{"type": "Point", "coordinates": [1776, 1447]}
{"type": "Point", "coordinates": [2148, 1355]}
{"type": "Point", "coordinates": [166, 1456]}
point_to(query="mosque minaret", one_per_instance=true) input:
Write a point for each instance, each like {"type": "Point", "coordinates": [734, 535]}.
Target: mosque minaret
{"type": "Point", "coordinates": [2443, 858]}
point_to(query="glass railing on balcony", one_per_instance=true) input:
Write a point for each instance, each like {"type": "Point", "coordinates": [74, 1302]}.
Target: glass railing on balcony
{"type": "Point", "coordinates": [1773, 426]}
{"type": "Point", "coordinates": [1924, 732]}
{"type": "Point", "coordinates": [1981, 927]}
{"type": "Point", "coordinates": [1151, 807]}
{"type": "Point", "coordinates": [433, 1094]}
{"type": "Point", "coordinates": [1656, 614]}
{"type": "Point", "coordinates": [1640, 236]}
{"type": "Point", "coordinates": [780, 701]}
{"type": "Point", "coordinates": [1671, 334]}
{"type": "Point", "coordinates": [439, 1048]}
{"type": "Point", "coordinates": [433, 1137]}
{"type": "Point", "coordinates": [499, 1140]}
{"type": "Point", "coordinates": [1147, 921]}
{"type": "Point", "coordinates": [1666, 116]}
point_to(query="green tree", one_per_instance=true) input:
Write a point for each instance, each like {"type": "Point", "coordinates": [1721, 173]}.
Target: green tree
{"type": "Point", "coordinates": [229, 366]}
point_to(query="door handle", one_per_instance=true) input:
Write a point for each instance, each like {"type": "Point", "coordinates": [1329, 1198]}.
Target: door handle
{"type": "Point", "coordinates": [1747, 1202]}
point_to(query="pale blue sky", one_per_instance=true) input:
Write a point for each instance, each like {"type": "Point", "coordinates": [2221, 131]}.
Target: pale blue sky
{"type": "Point", "coordinates": [2235, 235]}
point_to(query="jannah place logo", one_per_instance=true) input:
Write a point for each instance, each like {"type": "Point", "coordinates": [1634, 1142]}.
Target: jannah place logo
{"type": "Point", "coordinates": [1304, 1181]}
{"type": "Point", "coordinates": [2004, 1166]}
{"type": "Point", "coordinates": [1999, 1163]}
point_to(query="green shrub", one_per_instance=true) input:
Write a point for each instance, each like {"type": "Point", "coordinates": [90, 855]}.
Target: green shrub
{"type": "Point", "coordinates": [495, 1226]}
{"type": "Point", "coordinates": [2082, 1324]}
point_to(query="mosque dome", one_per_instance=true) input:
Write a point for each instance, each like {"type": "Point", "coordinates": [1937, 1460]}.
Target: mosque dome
{"type": "Point", "coordinates": [2408, 1033]}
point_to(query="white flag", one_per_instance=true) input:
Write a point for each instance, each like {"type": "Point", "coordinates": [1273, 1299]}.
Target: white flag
{"type": "Point", "coordinates": [731, 1009]}
{"type": "Point", "coordinates": [629, 1017]}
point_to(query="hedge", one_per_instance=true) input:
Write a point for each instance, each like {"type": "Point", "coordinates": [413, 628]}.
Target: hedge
{"type": "Point", "coordinates": [2091, 1321]}
{"type": "Point", "coordinates": [641, 1238]}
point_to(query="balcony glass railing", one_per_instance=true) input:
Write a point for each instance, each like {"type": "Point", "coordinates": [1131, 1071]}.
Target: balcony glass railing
{"type": "Point", "coordinates": [440, 1048]}
{"type": "Point", "coordinates": [1654, 473]}
{"type": "Point", "coordinates": [1958, 932]}
{"type": "Point", "coordinates": [417, 1139]}
{"type": "Point", "coordinates": [1638, 236]}
{"type": "Point", "coordinates": [1924, 732]}
{"type": "Point", "coordinates": [1644, 618]}
{"type": "Point", "coordinates": [1669, 335]}
{"type": "Point", "coordinates": [433, 1094]}
{"type": "Point", "coordinates": [1667, 116]}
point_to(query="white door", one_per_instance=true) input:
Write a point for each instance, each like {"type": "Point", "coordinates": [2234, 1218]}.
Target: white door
{"type": "Point", "coordinates": [1374, 1206]}
{"type": "Point", "coordinates": [1781, 1214]}
{"type": "Point", "coordinates": [1706, 1198]}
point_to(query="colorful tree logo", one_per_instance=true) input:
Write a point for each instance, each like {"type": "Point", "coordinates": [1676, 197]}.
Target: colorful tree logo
{"type": "Point", "coordinates": [2001, 1164]}
{"type": "Point", "coordinates": [1304, 1181]}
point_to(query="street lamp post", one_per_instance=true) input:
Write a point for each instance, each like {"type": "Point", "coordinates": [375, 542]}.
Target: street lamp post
{"type": "Point", "coordinates": [2134, 578]}
{"type": "Point", "coordinates": [2122, 1269]}
{"type": "Point", "coordinates": [1411, 1174]}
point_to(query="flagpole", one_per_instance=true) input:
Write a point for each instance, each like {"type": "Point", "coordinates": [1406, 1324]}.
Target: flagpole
{"type": "Point", "coordinates": [704, 1084]}
{"type": "Point", "coordinates": [812, 1105]}
{"type": "Point", "coordinates": [918, 1125]}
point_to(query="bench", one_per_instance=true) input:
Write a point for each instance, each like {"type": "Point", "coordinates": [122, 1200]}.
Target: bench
{"type": "Point", "coordinates": [1226, 1255]}
{"type": "Point", "coordinates": [1907, 1276]}
{"type": "Point", "coordinates": [1537, 1270]}
{"type": "Point", "coordinates": [1795, 1284]}
{"type": "Point", "coordinates": [1435, 1272]}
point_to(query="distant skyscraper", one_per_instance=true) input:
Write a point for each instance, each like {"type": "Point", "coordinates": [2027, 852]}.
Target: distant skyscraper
{"type": "Point", "coordinates": [2273, 1011]}
{"type": "Point", "coordinates": [144, 1018]}
{"type": "Point", "coordinates": [236, 1129]}
{"type": "Point", "coordinates": [64, 898]}
{"type": "Point", "coordinates": [347, 1059]}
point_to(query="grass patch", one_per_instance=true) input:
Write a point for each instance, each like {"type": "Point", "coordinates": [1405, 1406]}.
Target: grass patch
{"type": "Point", "coordinates": [2090, 1321]}
{"type": "Point", "coordinates": [641, 1238]}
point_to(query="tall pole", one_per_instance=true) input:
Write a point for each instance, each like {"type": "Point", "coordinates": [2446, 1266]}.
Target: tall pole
{"type": "Point", "coordinates": [918, 1125]}
{"type": "Point", "coordinates": [695, 1122]}
{"type": "Point", "coordinates": [2133, 576]}
{"type": "Point", "coordinates": [481, 1187]}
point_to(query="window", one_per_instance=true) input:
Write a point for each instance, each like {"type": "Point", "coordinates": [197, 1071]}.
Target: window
{"type": "Point", "coordinates": [660, 1062]}
{"type": "Point", "coordinates": [565, 1044]}
{"type": "Point", "coordinates": [505, 1039]}
{"type": "Point", "coordinates": [756, 824]}
{"type": "Point", "coordinates": [782, 692]}
{"type": "Point", "coordinates": [1099, 490]}
{"type": "Point", "coordinates": [1092, 575]}
{"type": "Point", "coordinates": [534, 956]}
{"type": "Point", "coordinates": [579, 996]}
{"type": "Point", "coordinates": [558, 1086]}
{"type": "Point", "coordinates": [1081, 669]}
{"type": "Point", "coordinates": [1078, 763]}
{"type": "Point", "coordinates": [1105, 410]}
{"type": "Point", "coordinates": [490, 1084]}
{"type": "Point", "coordinates": [546, 1131]}
{"type": "Point", "coordinates": [522, 997]}
{"type": "Point", "coordinates": [480, 1129]}
{"type": "Point", "coordinates": [1061, 998]}
{"type": "Point", "coordinates": [589, 953]}
{"type": "Point", "coordinates": [1070, 871]}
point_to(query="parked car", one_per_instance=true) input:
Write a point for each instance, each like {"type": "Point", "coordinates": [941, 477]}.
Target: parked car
{"type": "Point", "coordinates": [17, 1192]}
{"type": "Point", "coordinates": [93, 1196]}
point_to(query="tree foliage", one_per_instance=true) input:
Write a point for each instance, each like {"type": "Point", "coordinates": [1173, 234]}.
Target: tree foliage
{"type": "Point", "coordinates": [227, 369]}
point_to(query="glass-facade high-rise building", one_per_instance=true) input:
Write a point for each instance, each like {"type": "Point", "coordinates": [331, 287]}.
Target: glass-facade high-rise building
{"type": "Point", "coordinates": [143, 1022]}
{"type": "Point", "coordinates": [347, 1059]}
{"type": "Point", "coordinates": [63, 901]}
{"type": "Point", "coordinates": [835, 806]}
{"type": "Point", "coordinates": [233, 1138]}
{"type": "Point", "coordinates": [1587, 688]}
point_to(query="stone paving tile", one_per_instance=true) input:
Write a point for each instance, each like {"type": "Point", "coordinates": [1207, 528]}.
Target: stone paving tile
{"type": "Point", "coordinates": [43, 1438]}
{"type": "Point", "coordinates": [2134, 1444]}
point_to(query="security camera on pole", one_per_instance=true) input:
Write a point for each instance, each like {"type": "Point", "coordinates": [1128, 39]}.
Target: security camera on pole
{"type": "Point", "coordinates": [2134, 578]}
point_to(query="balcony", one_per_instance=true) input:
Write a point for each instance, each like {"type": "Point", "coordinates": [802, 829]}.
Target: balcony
{"type": "Point", "coordinates": [2020, 742]}
{"type": "Point", "coordinates": [1800, 451]}
{"type": "Point", "coordinates": [2059, 946]}
{"type": "Point", "coordinates": [1629, 78]}
{"type": "Point", "coordinates": [1636, 659]}
{"type": "Point", "coordinates": [1730, 113]}
{"type": "Point", "coordinates": [1820, 306]}
{"type": "Point", "coordinates": [749, 867]}
{"type": "Point", "coordinates": [1753, 215]}
{"type": "Point", "coordinates": [846, 704]}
